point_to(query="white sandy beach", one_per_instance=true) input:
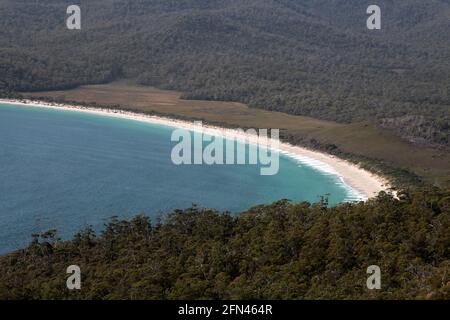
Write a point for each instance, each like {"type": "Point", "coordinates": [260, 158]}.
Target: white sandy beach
{"type": "Point", "coordinates": [362, 183]}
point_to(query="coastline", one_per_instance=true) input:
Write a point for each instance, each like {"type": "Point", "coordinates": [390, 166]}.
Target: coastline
{"type": "Point", "coordinates": [361, 184]}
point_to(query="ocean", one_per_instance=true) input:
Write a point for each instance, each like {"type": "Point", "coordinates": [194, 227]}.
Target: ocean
{"type": "Point", "coordinates": [66, 170]}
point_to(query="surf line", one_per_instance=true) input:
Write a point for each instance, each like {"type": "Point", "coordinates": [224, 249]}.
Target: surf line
{"type": "Point", "coordinates": [262, 149]}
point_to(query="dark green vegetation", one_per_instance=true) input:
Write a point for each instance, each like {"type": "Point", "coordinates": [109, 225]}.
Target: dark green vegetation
{"type": "Point", "coordinates": [309, 57]}
{"type": "Point", "coordinates": [283, 250]}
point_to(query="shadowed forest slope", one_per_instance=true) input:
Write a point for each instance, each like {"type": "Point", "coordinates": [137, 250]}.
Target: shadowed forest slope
{"type": "Point", "coordinates": [313, 58]}
{"type": "Point", "coordinates": [278, 251]}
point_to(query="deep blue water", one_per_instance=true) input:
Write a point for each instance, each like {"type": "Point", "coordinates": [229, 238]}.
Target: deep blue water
{"type": "Point", "coordinates": [65, 170]}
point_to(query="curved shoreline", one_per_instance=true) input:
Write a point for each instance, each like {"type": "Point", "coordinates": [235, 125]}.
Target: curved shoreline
{"type": "Point", "coordinates": [361, 184]}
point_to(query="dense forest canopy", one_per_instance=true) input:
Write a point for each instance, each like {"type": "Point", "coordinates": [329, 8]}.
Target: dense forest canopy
{"type": "Point", "coordinates": [277, 251]}
{"type": "Point", "coordinates": [308, 57]}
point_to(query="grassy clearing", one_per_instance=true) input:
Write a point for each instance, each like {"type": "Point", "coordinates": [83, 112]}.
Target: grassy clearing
{"type": "Point", "coordinates": [379, 149]}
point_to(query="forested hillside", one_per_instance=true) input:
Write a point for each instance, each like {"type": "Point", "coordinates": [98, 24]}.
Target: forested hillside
{"type": "Point", "coordinates": [278, 251]}
{"type": "Point", "coordinates": [309, 57]}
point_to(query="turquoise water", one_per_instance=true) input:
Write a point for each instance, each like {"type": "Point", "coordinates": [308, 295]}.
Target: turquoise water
{"type": "Point", "coordinates": [65, 170]}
